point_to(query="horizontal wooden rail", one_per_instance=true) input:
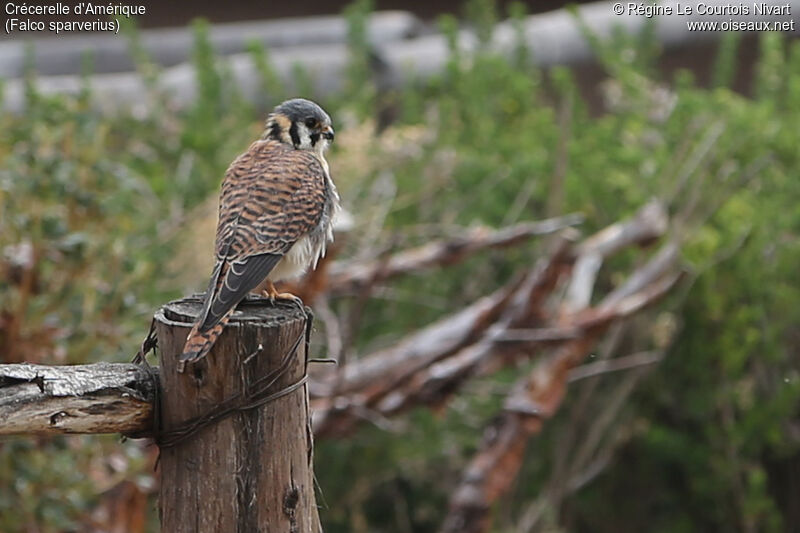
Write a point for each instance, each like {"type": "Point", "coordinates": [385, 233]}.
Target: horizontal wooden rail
{"type": "Point", "coordinates": [96, 398]}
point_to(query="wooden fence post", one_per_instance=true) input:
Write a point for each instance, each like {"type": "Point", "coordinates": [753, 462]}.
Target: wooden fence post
{"type": "Point", "coordinates": [249, 471]}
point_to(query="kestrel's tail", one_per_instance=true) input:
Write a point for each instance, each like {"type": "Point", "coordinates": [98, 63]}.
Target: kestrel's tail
{"type": "Point", "coordinates": [229, 284]}
{"type": "Point", "coordinates": [199, 343]}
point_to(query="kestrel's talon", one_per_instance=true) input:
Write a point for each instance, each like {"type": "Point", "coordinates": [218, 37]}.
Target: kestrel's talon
{"type": "Point", "coordinates": [272, 293]}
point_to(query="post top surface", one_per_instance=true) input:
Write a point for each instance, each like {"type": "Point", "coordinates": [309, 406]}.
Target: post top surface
{"type": "Point", "coordinates": [252, 310]}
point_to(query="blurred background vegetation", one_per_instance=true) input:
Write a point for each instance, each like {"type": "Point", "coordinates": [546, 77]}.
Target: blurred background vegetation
{"type": "Point", "coordinates": [97, 229]}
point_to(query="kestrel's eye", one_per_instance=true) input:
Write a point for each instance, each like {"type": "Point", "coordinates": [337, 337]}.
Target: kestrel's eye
{"type": "Point", "coordinates": [311, 123]}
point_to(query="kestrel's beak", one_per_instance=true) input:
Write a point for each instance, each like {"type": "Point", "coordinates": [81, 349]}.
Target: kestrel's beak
{"type": "Point", "coordinates": [327, 132]}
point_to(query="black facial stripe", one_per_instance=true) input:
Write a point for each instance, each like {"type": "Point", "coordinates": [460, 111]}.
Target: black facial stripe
{"type": "Point", "coordinates": [295, 136]}
{"type": "Point", "coordinates": [275, 131]}
{"type": "Point", "coordinates": [314, 139]}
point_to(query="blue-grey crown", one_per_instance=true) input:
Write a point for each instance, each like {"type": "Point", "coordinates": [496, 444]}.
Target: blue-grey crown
{"type": "Point", "coordinates": [300, 109]}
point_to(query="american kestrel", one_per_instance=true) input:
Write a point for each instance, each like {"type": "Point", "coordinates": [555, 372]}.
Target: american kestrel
{"type": "Point", "coordinates": [275, 212]}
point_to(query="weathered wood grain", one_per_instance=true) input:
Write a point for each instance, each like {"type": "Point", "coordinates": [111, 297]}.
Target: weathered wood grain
{"type": "Point", "coordinates": [250, 472]}
{"type": "Point", "coordinates": [96, 398]}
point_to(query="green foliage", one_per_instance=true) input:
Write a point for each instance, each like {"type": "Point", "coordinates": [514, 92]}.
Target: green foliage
{"type": "Point", "coordinates": [359, 89]}
{"type": "Point", "coordinates": [271, 84]}
{"type": "Point", "coordinates": [482, 14]}
{"type": "Point", "coordinates": [89, 206]}
{"type": "Point", "coordinates": [716, 414]}
{"type": "Point", "coordinates": [86, 205]}
{"type": "Point", "coordinates": [725, 66]}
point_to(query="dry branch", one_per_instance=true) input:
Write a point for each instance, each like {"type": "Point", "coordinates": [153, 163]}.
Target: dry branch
{"type": "Point", "coordinates": [420, 349]}
{"type": "Point", "coordinates": [337, 400]}
{"type": "Point", "coordinates": [427, 367]}
{"type": "Point", "coordinates": [97, 398]}
{"type": "Point", "coordinates": [421, 369]}
{"type": "Point", "coordinates": [617, 364]}
{"type": "Point", "coordinates": [537, 396]}
{"type": "Point", "coordinates": [345, 277]}
{"type": "Point", "coordinates": [587, 444]}
{"type": "Point", "coordinates": [647, 225]}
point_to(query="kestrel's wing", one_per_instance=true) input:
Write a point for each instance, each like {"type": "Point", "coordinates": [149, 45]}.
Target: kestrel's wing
{"type": "Point", "coordinates": [230, 283]}
{"type": "Point", "coordinates": [272, 195]}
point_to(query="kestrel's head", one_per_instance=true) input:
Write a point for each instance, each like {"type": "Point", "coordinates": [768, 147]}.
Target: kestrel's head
{"type": "Point", "coordinates": [300, 123]}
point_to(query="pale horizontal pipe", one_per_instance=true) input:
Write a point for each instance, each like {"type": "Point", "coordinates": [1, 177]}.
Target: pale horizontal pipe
{"type": "Point", "coordinates": [554, 38]}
